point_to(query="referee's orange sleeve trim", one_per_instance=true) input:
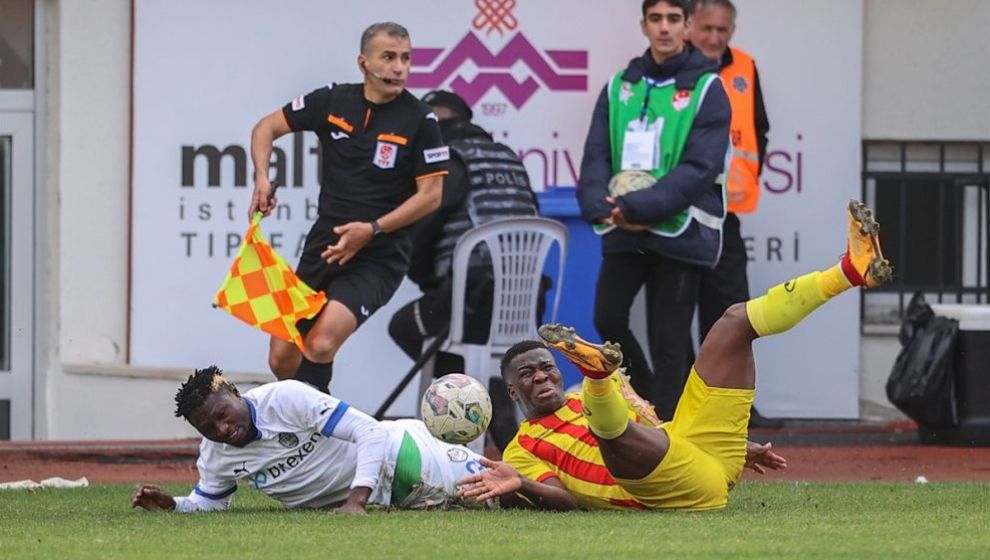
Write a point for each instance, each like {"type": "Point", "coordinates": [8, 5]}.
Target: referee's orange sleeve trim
{"type": "Point", "coordinates": [334, 119]}
{"type": "Point", "coordinates": [393, 138]}
{"type": "Point", "coordinates": [434, 174]}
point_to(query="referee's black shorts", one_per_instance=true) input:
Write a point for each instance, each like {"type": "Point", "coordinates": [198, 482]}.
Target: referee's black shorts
{"type": "Point", "coordinates": [364, 284]}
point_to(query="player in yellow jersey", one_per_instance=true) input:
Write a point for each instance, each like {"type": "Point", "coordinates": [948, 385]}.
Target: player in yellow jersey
{"type": "Point", "coordinates": [600, 449]}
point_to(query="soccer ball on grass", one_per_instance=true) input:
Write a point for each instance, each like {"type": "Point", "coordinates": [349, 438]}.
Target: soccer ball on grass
{"type": "Point", "coordinates": [456, 408]}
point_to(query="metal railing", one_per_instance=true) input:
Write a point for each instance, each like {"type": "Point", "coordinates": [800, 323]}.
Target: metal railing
{"type": "Point", "coordinates": [933, 202]}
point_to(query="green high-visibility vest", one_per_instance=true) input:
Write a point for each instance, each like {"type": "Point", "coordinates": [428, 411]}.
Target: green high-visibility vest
{"type": "Point", "coordinates": [642, 104]}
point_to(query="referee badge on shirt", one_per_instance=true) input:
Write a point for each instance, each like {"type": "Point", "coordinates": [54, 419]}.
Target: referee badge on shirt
{"type": "Point", "coordinates": [437, 155]}
{"type": "Point", "coordinates": [385, 155]}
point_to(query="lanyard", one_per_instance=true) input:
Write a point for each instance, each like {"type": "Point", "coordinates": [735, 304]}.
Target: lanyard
{"type": "Point", "coordinates": [650, 84]}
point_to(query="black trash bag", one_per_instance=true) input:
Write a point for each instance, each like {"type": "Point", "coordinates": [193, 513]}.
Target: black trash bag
{"type": "Point", "coordinates": [921, 384]}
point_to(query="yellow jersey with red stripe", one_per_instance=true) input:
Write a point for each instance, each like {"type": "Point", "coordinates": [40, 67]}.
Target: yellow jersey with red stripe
{"type": "Point", "coordinates": [561, 445]}
{"type": "Point", "coordinates": [704, 459]}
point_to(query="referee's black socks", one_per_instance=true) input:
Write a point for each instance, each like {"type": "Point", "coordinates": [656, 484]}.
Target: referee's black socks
{"type": "Point", "coordinates": [317, 375]}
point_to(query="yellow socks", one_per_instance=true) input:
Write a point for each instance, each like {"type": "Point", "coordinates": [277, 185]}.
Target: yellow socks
{"type": "Point", "coordinates": [787, 304]}
{"type": "Point", "coordinates": [833, 281]}
{"type": "Point", "coordinates": [604, 407]}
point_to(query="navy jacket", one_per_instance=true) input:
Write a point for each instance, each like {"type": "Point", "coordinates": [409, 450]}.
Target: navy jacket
{"type": "Point", "coordinates": [690, 183]}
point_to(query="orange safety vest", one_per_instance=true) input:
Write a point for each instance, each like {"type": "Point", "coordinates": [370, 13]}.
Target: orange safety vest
{"type": "Point", "coordinates": [743, 183]}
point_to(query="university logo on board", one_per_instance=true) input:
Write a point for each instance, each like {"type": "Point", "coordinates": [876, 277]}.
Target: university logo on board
{"type": "Point", "coordinates": [385, 155]}
{"type": "Point", "coordinates": [518, 70]}
{"type": "Point", "coordinates": [682, 98]}
{"type": "Point", "coordinates": [740, 84]}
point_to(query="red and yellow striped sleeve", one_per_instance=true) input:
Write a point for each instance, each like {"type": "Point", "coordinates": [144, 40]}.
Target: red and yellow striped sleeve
{"type": "Point", "coordinates": [526, 463]}
{"type": "Point", "coordinates": [561, 445]}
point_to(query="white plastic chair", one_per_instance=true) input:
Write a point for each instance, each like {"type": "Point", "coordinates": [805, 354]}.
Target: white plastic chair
{"type": "Point", "coordinates": [518, 249]}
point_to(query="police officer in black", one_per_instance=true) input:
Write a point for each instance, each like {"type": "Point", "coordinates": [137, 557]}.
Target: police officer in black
{"type": "Point", "coordinates": [486, 182]}
{"type": "Point", "coordinates": [383, 162]}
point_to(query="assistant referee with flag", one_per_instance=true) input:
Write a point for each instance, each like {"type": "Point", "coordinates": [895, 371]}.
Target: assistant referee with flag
{"type": "Point", "coordinates": [382, 165]}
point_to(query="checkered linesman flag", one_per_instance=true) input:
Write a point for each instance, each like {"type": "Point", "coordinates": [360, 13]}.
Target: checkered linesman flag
{"type": "Point", "coordinates": [261, 290]}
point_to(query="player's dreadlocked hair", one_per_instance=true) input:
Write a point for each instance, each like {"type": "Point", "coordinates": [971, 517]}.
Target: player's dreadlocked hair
{"type": "Point", "coordinates": [197, 388]}
{"type": "Point", "coordinates": [515, 350]}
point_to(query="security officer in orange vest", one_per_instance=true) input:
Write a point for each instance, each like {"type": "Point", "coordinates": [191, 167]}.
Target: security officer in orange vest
{"type": "Point", "coordinates": [712, 25]}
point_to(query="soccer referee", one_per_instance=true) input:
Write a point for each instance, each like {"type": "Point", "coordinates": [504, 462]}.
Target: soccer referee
{"type": "Point", "coordinates": [383, 163]}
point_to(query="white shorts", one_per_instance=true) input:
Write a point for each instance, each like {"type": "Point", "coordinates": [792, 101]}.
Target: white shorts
{"type": "Point", "coordinates": [441, 466]}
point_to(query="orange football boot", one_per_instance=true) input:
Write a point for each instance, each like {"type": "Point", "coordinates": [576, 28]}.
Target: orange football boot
{"type": "Point", "coordinates": [594, 360]}
{"type": "Point", "coordinates": [863, 264]}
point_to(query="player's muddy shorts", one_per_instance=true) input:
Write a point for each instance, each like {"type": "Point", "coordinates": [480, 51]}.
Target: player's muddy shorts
{"type": "Point", "coordinates": [425, 470]}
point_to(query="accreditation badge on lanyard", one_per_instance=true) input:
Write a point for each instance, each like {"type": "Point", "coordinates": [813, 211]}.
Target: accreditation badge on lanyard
{"type": "Point", "coordinates": [641, 143]}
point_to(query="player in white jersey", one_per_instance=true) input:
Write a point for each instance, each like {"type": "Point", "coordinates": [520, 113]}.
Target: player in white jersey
{"type": "Point", "coordinates": [305, 448]}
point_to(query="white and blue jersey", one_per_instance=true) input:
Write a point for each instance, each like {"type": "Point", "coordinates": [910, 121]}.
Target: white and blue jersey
{"type": "Point", "coordinates": [312, 448]}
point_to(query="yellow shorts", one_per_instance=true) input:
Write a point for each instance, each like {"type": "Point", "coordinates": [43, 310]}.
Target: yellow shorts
{"type": "Point", "coordinates": [707, 450]}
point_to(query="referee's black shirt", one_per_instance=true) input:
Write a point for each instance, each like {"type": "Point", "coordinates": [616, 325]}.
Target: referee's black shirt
{"type": "Point", "coordinates": [371, 154]}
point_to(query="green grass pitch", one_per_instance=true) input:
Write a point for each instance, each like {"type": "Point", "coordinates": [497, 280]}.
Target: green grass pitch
{"type": "Point", "coordinates": [778, 520]}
